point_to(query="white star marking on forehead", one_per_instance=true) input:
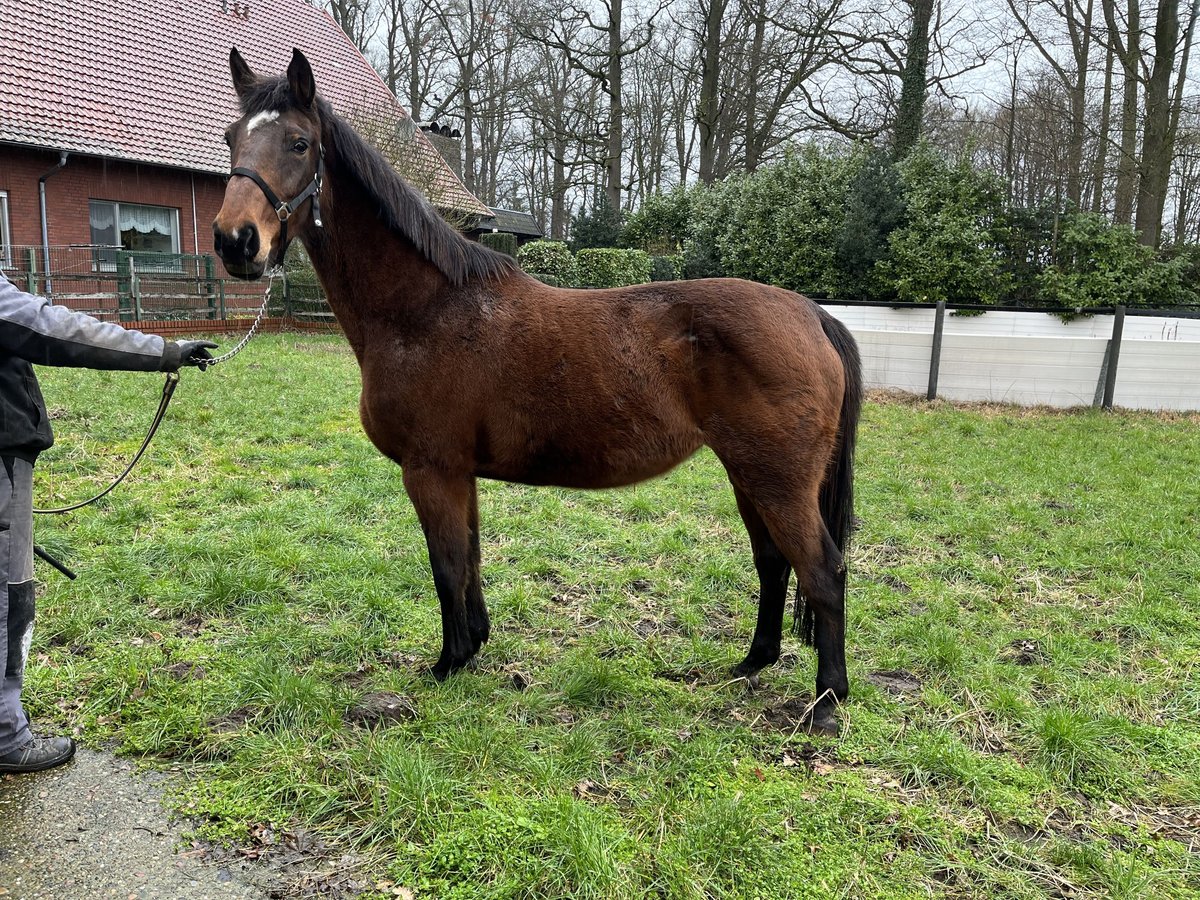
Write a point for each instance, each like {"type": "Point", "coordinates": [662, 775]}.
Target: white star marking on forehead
{"type": "Point", "coordinates": [262, 118]}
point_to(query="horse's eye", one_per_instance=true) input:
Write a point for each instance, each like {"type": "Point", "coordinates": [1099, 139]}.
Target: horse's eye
{"type": "Point", "coordinates": [300, 146]}
{"type": "Point", "coordinates": [228, 140]}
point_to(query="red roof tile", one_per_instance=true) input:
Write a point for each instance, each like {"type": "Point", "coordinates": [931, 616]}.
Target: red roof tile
{"type": "Point", "coordinates": [149, 82]}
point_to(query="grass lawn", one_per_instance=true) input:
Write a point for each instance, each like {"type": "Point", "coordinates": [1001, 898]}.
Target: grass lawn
{"type": "Point", "coordinates": [1023, 638]}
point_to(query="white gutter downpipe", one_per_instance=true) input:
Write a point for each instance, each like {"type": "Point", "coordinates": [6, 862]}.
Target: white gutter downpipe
{"type": "Point", "coordinates": [62, 161]}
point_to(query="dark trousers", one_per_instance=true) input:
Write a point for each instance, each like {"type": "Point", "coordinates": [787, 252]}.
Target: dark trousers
{"type": "Point", "coordinates": [16, 595]}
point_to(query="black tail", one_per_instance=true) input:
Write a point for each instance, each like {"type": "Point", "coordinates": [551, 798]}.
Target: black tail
{"type": "Point", "coordinates": [837, 491]}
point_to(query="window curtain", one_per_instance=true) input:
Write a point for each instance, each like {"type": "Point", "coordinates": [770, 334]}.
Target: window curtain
{"type": "Point", "coordinates": [101, 216]}
{"type": "Point", "coordinates": [146, 219]}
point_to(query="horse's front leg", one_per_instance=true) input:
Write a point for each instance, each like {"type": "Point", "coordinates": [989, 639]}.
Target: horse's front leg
{"type": "Point", "coordinates": [445, 504]}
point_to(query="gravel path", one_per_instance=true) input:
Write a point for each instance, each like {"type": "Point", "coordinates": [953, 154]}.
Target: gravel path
{"type": "Point", "coordinates": [95, 829]}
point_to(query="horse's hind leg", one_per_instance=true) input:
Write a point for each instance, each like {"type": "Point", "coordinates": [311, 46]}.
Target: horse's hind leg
{"type": "Point", "coordinates": [794, 523]}
{"type": "Point", "coordinates": [443, 503]}
{"type": "Point", "coordinates": [478, 624]}
{"type": "Point", "coordinates": [773, 574]}
{"type": "Point", "coordinates": [823, 588]}
{"type": "Point", "coordinates": [821, 594]}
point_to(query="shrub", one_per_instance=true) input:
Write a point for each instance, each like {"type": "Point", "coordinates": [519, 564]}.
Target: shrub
{"type": "Point", "coordinates": [1025, 236]}
{"type": "Point", "coordinates": [784, 221]}
{"type": "Point", "coordinates": [1097, 264]}
{"type": "Point", "coordinates": [601, 227]}
{"type": "Point", "coordinates": [947, 248]}
{"type": "Point", "coordinates": [500, 241]}
{"type": "Point", "coordinates": [710, 207]}
{"type": "Point", "coordinates": [874, 209]}
{"type": "Point", "coordinates": [549, 259]}
{"type": "Point", "coordinates": [662, 224]}
{"type": "Point", "coordinates": [605, 267]}
{"type": "Point", "coordinates": [666, 268]}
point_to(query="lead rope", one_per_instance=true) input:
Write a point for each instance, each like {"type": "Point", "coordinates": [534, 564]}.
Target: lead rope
{"type": "Point", "coordinates": [167, 392]}
{"type": "Point", "coordinates": [276, 272]}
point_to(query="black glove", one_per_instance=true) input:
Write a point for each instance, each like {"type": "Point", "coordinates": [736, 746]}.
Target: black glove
{"type": "Point", "coordinates": [195, 353]}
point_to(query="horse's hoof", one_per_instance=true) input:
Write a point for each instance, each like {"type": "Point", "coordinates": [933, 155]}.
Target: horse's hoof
{"type": "Point", "coordinates": [443, 669]}
{"type": "Point", "coordinates": [822, 723]}
{"type": "Point", "coordinates": [749, 667]}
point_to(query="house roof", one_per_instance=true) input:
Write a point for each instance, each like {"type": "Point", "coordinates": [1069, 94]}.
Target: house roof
{"type": "Point", "coordinates": [150, 83]}
{"type": "Point", "coordinates": [511, 221]}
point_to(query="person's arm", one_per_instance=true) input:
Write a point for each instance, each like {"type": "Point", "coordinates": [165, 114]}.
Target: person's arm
{"type": "Point", "coordinates": [36, 330]}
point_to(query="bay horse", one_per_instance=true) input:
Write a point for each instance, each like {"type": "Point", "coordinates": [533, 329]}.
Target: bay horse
{"type": "Point", "coordinates": [473, 369]}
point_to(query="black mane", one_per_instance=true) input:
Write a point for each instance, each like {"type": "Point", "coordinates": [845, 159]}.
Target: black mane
{"type": "Point", "coordinates": [401, 207]}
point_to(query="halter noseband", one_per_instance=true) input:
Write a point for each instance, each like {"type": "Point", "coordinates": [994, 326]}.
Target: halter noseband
{"type": "Point", "coordinates": [285, 210]}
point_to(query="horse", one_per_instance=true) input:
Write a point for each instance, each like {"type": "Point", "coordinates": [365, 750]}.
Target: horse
{"type": "Point", "coordinates": [473, 369]}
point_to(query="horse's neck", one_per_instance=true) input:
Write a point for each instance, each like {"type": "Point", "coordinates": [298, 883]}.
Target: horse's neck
{"type": "Point", "coordinates": [372, 276]}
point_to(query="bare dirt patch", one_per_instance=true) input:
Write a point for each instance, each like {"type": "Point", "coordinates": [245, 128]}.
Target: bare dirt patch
{"type": "Point", "coordinates": [380, 709]}
{"type": "Point", "coordinates": [1024, 652]}
{"type": "Point", "coordinates": [896, 682]}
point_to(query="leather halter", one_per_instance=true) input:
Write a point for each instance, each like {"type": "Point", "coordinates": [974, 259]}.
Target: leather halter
{"type": "Point", "coordinates": [285, 210]}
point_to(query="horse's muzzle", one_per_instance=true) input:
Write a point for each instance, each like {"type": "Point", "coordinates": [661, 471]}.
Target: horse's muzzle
{"type": "Point", "coordinates": [239, 251]}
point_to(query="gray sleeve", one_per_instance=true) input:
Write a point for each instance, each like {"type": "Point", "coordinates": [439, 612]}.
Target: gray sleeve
{"type": "Point", "coordinates": [36, 330]}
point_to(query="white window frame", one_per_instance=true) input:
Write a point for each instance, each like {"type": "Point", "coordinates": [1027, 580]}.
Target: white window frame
{"type": "Point", "coordinates": [176, 237]}
{"type": "Point", "coordinates": [5, 232]}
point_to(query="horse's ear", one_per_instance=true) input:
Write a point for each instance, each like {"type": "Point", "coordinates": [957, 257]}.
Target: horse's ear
{"type": "Point", "coordinates": [243, 76]}
{"type": "Point", "coordinates": [300, 80]}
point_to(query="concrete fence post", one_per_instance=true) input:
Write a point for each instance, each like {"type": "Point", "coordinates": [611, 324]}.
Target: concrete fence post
{"type": "Point", "coordinates": [935, 354]}
{"type": "Point", "coordinates": [1111, 355]}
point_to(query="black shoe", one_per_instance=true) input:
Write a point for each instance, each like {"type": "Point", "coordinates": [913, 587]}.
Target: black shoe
{"type": "Point", "coordinates": [36, 754]}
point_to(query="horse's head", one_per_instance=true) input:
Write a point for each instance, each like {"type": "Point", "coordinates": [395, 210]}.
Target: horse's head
{"type": "Point", "coordinates": [275, 184]}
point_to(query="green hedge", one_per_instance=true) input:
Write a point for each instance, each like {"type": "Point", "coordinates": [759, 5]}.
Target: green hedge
{"type": "Point", "coordinates": [549, 261]}
{"type": "Point", "coordinates": [500, 241]}
{"type": "Point", "coordinates": [606, 267]}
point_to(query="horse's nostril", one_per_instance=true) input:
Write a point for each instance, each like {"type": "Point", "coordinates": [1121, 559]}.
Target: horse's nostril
{"type": "Point", "coordinates": [250, 242]}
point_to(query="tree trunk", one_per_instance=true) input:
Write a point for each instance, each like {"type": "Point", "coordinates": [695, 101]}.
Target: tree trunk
{"type": "Point", "coordinates": [1101, 164]}
{"type": "Point", "coordinates": [1129, 53]}
{"type": "Point", "coordinates": [558, 191]}
{"type": "Point", "coordinates": [753, 139]}
{"type": "Point", "coordinates": [616, 116]}
{"type": "Point", "coordinates": [1081, 40]}
{"type": "Point", "coordinates": [1010, 135]}
{"type": "Point", "coordinates": [468, 130]}
{"type": "Point", "coordinates": [708, 107]}
{"type": "Point", "coordinates": [1156, 144]}
{"type": "Point", "coordinates": [913, 80]}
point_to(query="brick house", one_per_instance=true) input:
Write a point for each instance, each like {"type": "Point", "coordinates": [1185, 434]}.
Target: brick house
{"type": "Point", "coordinates": [111, 124]}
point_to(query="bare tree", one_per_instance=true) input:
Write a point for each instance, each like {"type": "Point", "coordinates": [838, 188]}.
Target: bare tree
{"type": "Point", "coordinates": [1126, 44]}
{"type": "Point", "coordinates": [561, 107]}
{"type": "Point", "coordinates": [1162, 115]}
{"type": "Point", "coordinates": [1186, 178]}
{"type": "Point", "coordinates": [1040, 20]}
{"type": "Point", "coordinates": [881, 48]}
{"type": "Point", "coordinates": [413, 53]}
{"type": "Point", "coordinates": [358, 18]}
{"type": "Point", "coordinates": [598, 47]}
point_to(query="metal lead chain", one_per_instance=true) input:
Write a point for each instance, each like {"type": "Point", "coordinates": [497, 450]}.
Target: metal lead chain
{"type": "Point", "coordinates": [276, 271]}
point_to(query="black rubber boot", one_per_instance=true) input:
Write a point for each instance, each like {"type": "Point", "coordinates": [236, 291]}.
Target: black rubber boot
{"type": "Point", "coordinates": [36, 754]}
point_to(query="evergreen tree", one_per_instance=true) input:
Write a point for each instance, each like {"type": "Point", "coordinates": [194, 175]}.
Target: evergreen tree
{"type": "Point", "coordinates": [599, 227]}
{"type": "Point", "coordinates": [874, 209]}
